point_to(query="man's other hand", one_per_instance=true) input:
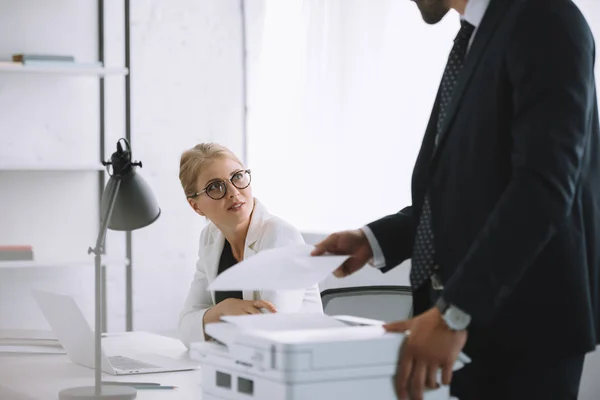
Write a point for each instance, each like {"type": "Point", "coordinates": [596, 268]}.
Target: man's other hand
{"type": "Point", "coordinates": [430, 346]}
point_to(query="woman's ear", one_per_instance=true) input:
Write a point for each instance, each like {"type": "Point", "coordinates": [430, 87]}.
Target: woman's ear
{"type": "Point", "coordinates": [195, 207]}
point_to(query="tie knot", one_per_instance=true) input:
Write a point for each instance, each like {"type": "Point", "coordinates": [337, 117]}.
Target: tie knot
{"type": "Point", "coordinates": [465, 32]}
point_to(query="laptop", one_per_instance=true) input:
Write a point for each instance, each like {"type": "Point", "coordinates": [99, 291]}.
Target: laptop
{"type": "Point", "coordinates": [77, 338]}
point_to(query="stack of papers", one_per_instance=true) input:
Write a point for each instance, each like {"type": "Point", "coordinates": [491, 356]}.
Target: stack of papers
{"type": "Point", "coordinates": [282, 268]}
{"type": "Point", "coordinates": [284, 322]}
{"type": "Point", "coordinates": [29, 341]}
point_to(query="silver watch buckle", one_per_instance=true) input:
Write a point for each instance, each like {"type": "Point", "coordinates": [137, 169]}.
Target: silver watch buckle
{"type": "Point", "coordinates": [436, 282]}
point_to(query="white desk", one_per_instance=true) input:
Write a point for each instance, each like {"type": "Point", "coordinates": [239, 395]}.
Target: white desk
{"type": "Point", "coordinates": [42, 376]}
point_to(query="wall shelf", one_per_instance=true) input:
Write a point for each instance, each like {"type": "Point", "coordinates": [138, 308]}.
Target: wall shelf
{"type": "Point", "coordinates": [61, 69]}
{"type": "Point", "coordinates": [89, 263]}
{"type": "Point", "coordinates": [34, 167]}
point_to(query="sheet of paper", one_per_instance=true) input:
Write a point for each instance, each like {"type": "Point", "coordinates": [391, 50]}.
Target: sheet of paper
{"type": "Point", "coordinates": [290, 267]}
{"type": "Point", "coordinates": [284, 322]}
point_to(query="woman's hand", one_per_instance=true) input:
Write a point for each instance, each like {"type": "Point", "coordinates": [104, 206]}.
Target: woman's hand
{"type": "Point", "coordinates": [236, 307]}
{"type": "Point", "coordinates": [243, 307]}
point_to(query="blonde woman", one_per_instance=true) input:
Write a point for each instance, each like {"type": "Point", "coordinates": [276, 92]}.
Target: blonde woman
{"type": "Point", "coordinates": [217, 186]}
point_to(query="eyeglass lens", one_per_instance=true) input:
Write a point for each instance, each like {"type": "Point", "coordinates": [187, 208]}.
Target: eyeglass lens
{"type": "Point", "coordinates": [218, 189]}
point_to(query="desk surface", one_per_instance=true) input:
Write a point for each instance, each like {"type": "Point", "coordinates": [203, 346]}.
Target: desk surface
{"type": "Point", "coordinates": [42, 376]}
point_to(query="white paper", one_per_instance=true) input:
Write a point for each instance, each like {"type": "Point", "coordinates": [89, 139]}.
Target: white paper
{"type": "Point", "coordinates": [290, 267]}
{"type": "Point", "coordinates": [284, 322]}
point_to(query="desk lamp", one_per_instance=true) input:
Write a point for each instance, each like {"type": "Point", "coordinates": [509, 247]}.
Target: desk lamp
{"type": "Point", "coordinates": [127, 204]}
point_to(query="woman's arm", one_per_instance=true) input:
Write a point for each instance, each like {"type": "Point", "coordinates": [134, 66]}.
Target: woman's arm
{"type": "Point", "coordinates": [198, 302]}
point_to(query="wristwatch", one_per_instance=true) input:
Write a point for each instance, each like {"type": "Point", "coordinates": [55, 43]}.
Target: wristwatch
{"type": "Point", "coordinates": [455, 318]}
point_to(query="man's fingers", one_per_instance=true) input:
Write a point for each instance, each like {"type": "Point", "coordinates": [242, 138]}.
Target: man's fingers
{"type": "Point", "coordinates": [349, 266]}
{"type": "Point", "coordinates": [265, 304]}
{"type": "Point", "coordinates": [403, 373]}
{"type": "Point", "coordinates": [447, 373]}
{"type": "Point", "coordinates": [431, 381]}
{"type": "Point", "coordinates": [417, 380]}
{"type": "Point", "coordinates": [327, 245]}
{"type": "Point", "coordinates": [398, 326]}
{"type": "Point", "coordinates": [252, 310]}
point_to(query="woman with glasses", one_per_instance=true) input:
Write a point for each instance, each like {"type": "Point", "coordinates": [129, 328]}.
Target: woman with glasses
{"type": "Point", "coordinates": [217, 186]}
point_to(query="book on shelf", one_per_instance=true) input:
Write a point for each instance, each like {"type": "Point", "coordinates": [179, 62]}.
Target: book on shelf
{"type": "Point", "coordinates": [29, 57]}
{"type": "Point", "coordinates": [29, 341]}
{"type": "Point", "coordinates": [16, 253]}
{"type": "Point", "coordinates": [49, 60]}
{"type": "Point", "coordinates": [27, 337]}
{"type": "Point", "coordinates": [63, 65]}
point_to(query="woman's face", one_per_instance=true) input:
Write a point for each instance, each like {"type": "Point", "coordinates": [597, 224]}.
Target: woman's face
{"type": "Point", "coordinates": [215, 180]}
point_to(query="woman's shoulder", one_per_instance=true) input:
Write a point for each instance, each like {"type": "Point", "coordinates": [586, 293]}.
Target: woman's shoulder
{"type": "Point", "coordinates": [277, 225]}
{"type": "Point", "coordinates": [208, 234]}
{"type": "Point", "coordinates": [277, 231]}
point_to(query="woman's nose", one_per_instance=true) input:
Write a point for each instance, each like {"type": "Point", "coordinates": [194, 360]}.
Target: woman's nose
{"type": "Point", "coordinates": [232, 190]}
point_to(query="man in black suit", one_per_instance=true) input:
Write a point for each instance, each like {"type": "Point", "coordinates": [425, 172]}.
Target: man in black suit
{"type": "Point", "coordinates": [504, 227]}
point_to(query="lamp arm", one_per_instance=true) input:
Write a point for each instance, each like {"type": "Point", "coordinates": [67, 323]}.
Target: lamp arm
{"type": "Point", "coordinates": [98, 281]}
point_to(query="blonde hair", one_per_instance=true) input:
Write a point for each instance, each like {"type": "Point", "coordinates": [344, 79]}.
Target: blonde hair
{"type": "Point", "coordinates": [194, 159]}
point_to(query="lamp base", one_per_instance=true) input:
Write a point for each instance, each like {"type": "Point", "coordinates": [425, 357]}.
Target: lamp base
{"type": "Point", "coordinates": [108, 392]}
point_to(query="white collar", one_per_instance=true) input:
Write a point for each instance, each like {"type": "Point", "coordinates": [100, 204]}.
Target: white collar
{"type": "Point", "coordinates": [475, 11]}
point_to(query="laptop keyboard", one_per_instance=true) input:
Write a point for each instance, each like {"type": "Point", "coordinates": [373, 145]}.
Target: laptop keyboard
{"type": "Point", "coordinates": [127, 364]}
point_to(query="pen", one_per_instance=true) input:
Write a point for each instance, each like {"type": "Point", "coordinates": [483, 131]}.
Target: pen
{"type": "Point", "coordinates": [153, 387]}
{"type": "Point", "coordinates": [130, 383]}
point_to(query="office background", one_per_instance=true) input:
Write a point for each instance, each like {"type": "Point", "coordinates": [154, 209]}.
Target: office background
{"type": "Point", "coordinates": [326, 100]}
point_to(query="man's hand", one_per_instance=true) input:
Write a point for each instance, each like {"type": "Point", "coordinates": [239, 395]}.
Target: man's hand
{"type": "Point", "coordinates": [430, 346]}
{"type": "Point", "coordinates": [353, 243]}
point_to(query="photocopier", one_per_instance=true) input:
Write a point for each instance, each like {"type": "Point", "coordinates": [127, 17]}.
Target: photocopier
{"type": "Point", "coordinates": [301, 357]}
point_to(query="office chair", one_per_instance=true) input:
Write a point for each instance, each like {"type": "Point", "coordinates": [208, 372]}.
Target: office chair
{"type": "Point", "coordinates": [385, 303]}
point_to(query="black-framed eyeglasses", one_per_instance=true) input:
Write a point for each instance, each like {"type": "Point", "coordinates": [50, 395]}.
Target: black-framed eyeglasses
{"type": "Point", "coordinates": [217, 189]}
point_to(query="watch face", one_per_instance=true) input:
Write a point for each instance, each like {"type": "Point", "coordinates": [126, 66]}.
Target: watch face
{"type": "Point", "coordinates": [456, 319]}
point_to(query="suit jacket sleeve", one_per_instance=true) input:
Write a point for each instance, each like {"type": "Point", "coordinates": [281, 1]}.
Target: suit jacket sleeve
{"type": "Point", "coordinates": [199, 300]}
{"type": "Point", "coordinates": [550, 67]}
{"type": "Point", "coordinates": [395, 235]}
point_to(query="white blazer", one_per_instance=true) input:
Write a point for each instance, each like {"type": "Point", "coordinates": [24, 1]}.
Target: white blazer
{"type": "Point", "coordinates": [266, 231]}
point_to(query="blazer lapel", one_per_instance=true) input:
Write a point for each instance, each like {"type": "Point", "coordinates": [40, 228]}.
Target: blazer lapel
{"type": "Point", "coordinates": [254, 230]}
{"type": "Point", "coordinates": [213, 254]}
{"type": "Point", "coordinates": [493, 15]}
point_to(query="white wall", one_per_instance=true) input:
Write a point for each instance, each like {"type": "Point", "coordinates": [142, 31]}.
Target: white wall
{"type": "Point", "coordinates": [186, 88]}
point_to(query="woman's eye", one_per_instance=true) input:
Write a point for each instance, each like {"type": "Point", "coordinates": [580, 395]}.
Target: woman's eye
{"type": "Point", "coordinates": [217, 186]}
{"type": "Point", "coordinates": [237, 176]}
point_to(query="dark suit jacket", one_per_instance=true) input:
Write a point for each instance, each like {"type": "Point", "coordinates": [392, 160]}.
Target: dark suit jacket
{"type": "Point", "coordinates": [514, 182]}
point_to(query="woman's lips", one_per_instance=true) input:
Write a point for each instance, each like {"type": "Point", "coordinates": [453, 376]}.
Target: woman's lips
{"type": "Point", "coordinates": [236, 206]}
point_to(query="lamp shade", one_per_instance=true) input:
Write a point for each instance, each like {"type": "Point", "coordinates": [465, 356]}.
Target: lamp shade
{"type": "Point", "coordinates": [135, 205]}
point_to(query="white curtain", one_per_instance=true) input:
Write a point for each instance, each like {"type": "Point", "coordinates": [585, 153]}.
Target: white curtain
{"type": "Point", "coordinates": [339, 95]}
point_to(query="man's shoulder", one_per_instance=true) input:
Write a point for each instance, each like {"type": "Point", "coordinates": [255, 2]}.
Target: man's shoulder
{"type": "Point", "coordinates": [546, 14]}
{"type": "Point", "coordinates": [548, 28]}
